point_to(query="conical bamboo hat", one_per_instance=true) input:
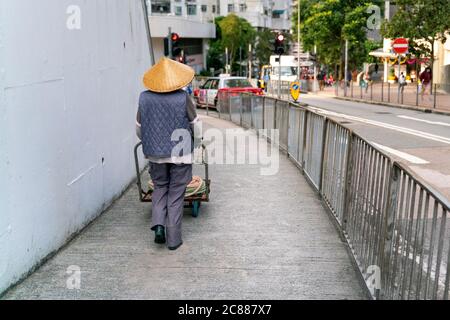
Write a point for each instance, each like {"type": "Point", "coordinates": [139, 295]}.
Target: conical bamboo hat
{"type": "Point", "coordinates": [167, 76]}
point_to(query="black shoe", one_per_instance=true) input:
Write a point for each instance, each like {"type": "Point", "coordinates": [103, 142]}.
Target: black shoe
{"type": "Point", "coordinates": [175, 248]}
{"type": "Point", "coordinates": [160, 235]}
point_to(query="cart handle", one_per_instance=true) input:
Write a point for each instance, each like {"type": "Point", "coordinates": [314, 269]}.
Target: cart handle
{"type": "Point", "coordinates": [138, 173]}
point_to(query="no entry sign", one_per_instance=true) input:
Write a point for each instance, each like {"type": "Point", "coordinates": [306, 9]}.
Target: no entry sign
{"type": "Point", "coordinates": [400, 46]}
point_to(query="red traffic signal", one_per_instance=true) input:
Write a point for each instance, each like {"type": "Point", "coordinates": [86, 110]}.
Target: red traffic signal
{"type": "Point", "coordinates": [175, 37]}
{"type": "Point", "coordinates": [280, 38]}
{"type": "Point", "coordinates": [279, 44]}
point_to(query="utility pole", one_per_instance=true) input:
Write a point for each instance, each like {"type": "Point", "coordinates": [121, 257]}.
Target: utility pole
{"type": "Point", "coordinates": [399, 70]}
{"type": "Point", "coordinates": [315, 69]}
{"type": "Point", "coordinates": [279, 76]}
{"type": "Point", "coordinates": [147, 29]}
{"type": "Point", "coordinates": [346, 68]}
{"type": "Point", "coordinates": [226, 60]}
{"type": "Point", "coordinates": [298, 40]}
{"type": "Point", "coordinates": [240, 61]}
{"type": "Point", "coordinates": [250, 61]}
{"type": "Point", "coordinates": [170, 44]}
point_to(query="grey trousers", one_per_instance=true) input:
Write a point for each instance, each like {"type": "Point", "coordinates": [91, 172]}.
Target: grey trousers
{"type": "Point", "coordinates": [170, 182]}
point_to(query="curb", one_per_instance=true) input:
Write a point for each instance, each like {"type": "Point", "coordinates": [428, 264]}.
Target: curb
{"type": "Point", "coordinates": [399, 106]}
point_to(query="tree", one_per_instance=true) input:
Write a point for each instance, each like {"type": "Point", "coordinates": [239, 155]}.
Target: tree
{"type": "Point", "coordinates": [264, 46]}
{"type": "Point", "coordinates": [232, 32]}
{"type": "Point", "coordinates": [422, 21]}
{"type": "Point", "coordinates": [327, 24]}
{"type": "Point", "coordinates": [236, 32]}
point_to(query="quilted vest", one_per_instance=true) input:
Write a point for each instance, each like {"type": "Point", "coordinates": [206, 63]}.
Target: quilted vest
{"type": "Point", "coordinates": [162, 116]}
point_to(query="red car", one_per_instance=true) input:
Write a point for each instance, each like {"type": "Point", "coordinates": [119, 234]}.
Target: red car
{"type": "Point", "coordinates": [208, 94]}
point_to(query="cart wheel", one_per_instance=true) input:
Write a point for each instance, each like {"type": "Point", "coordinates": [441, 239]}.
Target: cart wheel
{"type": "Point", "coordinates": [195, 209]}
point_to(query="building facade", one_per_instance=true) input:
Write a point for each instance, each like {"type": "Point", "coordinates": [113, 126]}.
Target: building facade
{"type": "Point", "coordinates": [261, 14]}
{"type": "Point", "coordinates": [193, 20]}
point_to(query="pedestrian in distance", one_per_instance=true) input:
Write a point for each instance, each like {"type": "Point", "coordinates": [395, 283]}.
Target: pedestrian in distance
{"type": "Point", "coordinates": [348, 78]}
{"type": "Point", "coordinates": [401, 83]}
{"type": "Point", "coordinates": [165, 118]}
{"type": "Point", "coordinates": [425, 78]}
{"type": "Point", "coordinates": [266, 80]}
{"type": "Point", "coordinates": [367, 80]}
{"type": "Point", "coordinates": [320, 78]}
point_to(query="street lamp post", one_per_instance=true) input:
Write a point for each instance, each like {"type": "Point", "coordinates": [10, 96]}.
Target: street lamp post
{"type": "Point", "coordinates": [346, 68]}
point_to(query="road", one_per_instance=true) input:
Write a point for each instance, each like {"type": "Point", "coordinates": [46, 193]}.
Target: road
{"type": "Point", "coordinates": [420, 140]}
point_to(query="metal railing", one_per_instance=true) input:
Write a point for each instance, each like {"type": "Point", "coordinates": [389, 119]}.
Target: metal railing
{"type": "Point", "coordinates": [412, 94]}
{"type": "Point", "coordinates": [394, 223]}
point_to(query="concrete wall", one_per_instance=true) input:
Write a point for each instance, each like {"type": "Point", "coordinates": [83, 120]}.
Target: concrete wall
{"type": "Point", "coordinates": [67, 112]}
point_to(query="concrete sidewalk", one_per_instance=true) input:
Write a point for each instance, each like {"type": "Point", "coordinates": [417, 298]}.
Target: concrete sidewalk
{"type": "Point", "coordinates": [260, 237]}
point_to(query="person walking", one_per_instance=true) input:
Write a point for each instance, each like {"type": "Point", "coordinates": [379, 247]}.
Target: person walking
{"type": "Point", "coordinates": [321, 77]}
{"type": "Point", "coordinates": [266, 80]}
{"type": "Point", "coordinates": [165, 118]}
{"type": "Point", "coordinates": [367, 80]}
{"type": "Point", "coordinates": [401, 84]}
{"type": "Point", "coordinates": [425, 79]}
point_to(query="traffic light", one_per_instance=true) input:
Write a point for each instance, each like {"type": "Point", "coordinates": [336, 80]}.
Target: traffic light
{"type": "Point", "coordinates": [172, 46]}
{"type": "Point", "coordinates": [279, 44]}
{"type": "Point", "coordinates": [176, 49]}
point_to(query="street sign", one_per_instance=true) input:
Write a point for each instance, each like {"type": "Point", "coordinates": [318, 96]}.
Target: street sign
{"type": "Point", "coordinates": [295, 90]}
{"type": "Point", "coordinates": [400, 46]}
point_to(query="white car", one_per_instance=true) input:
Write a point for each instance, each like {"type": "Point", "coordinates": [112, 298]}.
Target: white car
{"type": "Point", "coordinates": [208, 92]}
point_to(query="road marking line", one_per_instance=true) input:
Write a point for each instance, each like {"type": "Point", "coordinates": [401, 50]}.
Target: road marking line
{"type": "Point", "coordinates": [408, 157]}
{"type": "Point", "coordinates": [426, 121]}
{"type": "Point", "coordinates": [413, 132]}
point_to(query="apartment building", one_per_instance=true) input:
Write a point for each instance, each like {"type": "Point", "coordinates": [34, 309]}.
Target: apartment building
{"type": "Point", "coordinates": [275, 15]}
{"type": "Point", "coordinates": [193, 20]}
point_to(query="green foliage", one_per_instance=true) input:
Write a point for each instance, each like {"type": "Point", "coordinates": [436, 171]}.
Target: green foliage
{"type": "Point", "coordinates": [233, 33]}
{"type": "Point", "coordinates": [422, 21]}
{"type": "Point", "coordinates": [236, 32]}
{"type": "Point", "coordinates": [328, 23]}
{"type": "Point", "coordinates": [264, 46]}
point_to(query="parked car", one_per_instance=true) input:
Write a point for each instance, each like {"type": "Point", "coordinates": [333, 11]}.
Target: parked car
{"type": "Point", "coordinates": [208, 93]}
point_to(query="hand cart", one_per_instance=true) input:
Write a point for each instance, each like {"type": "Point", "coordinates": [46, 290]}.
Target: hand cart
{"type": "Point", "coordinates": [193, 202]}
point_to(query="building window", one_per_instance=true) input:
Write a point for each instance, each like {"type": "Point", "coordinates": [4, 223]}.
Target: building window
{"type": "Point", "coordinates": [242, 7]}
{"type": "Point", "coordinates": [213, 9]}
{"type": "Point", "coordinates": [231, 8]}
{"type": "Point", "coordinates": [204, 8]}
{"type": "Point", "coordinates": [192, 9]}
{"type": "Point", "coordinates": [178, 11]}
{"type": "Point", "coordinates": [161, 6]}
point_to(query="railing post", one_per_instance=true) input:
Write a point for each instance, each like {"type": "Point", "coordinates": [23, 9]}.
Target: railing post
{"type": "Point", "coordinates": [388, 228]}
{"type": "Point", "coordinates": [371, 91]}
{"type": "Point", "coordinates": [435, 90]}
{"type": "Point", "coordinates": [275, 105]}
{"type": "Point", "coordinates": [305, 131]}
{"type": "Point", "coordinates": [324, 154]}
{"type": "Point", "coordinates": [240, 109]}
{"type": "Point", "coordinates": [264, 113]}
{"type": "Point", "coordinates": [348, 181]}
{"type": "Point", "coordinates": [229, 106]}
{"type": "Point", "coordinates": [361, 92]}
{"type": "Point", "coordinates": [417, 92]}
{"type": "Point", "coordinates": [382, 91]}
{"type": "Point", "coordinates": [389, 92]}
